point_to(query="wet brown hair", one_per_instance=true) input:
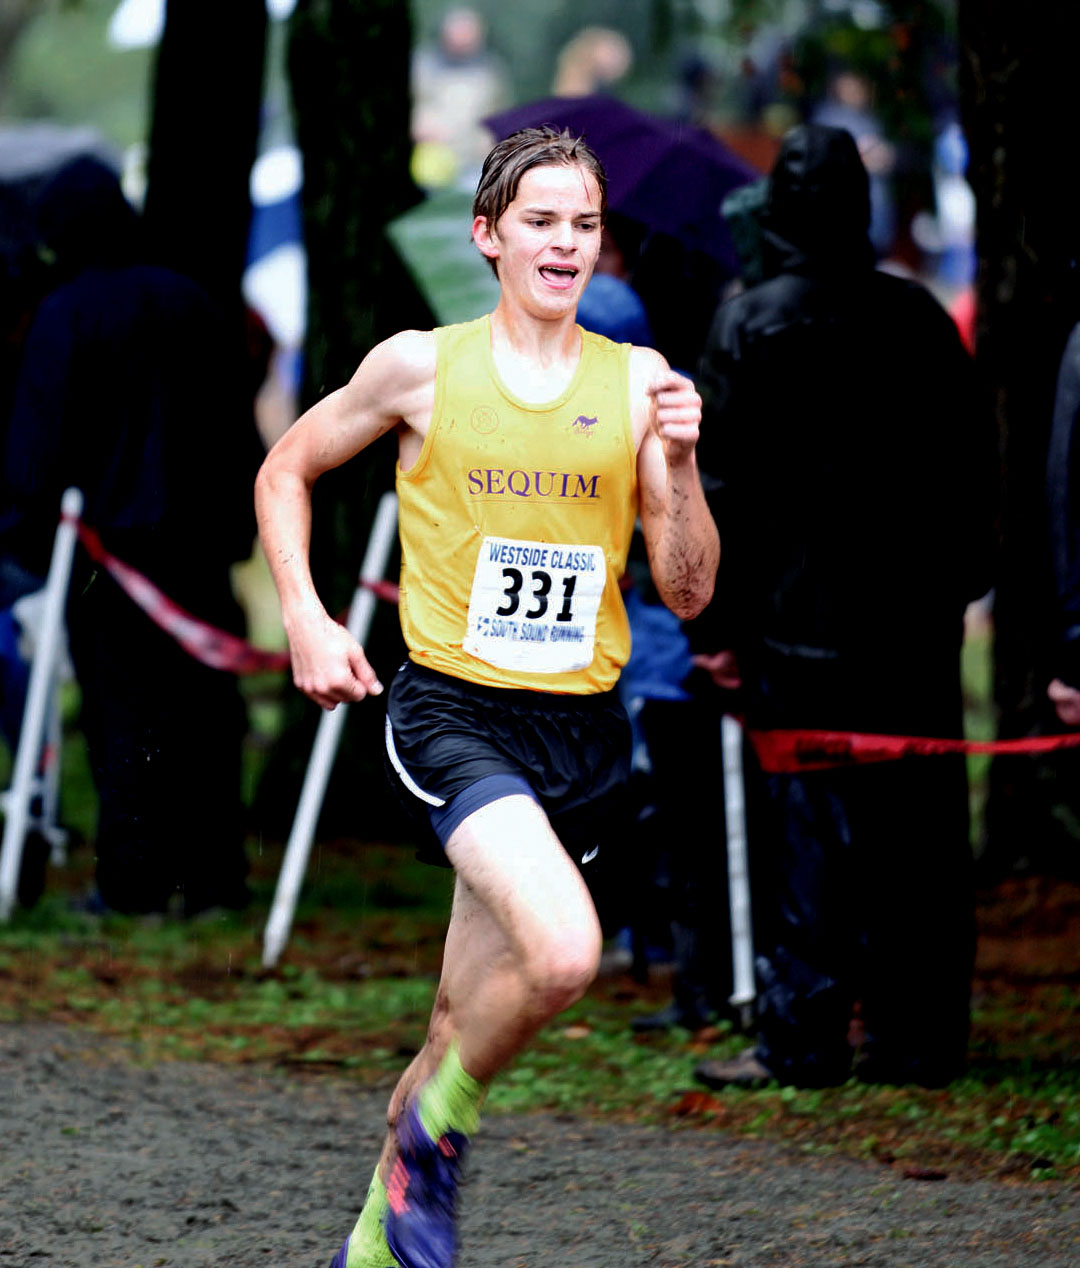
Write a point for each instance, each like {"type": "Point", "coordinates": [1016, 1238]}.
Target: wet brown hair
{"type": "Point", "coordinates": [527, 148]}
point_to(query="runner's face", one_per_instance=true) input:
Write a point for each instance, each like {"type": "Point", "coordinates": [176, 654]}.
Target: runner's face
{"type": "Point", "coordinates": [546, 242]}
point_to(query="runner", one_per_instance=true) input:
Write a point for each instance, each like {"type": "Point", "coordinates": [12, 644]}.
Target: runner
{"type": "Point", "coordinates": [526, 448]}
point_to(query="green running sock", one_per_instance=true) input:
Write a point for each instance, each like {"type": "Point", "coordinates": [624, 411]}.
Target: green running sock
{"type": "Point", "coordinates": [367, 1242]}
{"type": "Point", "coordinates": [451, 1099]}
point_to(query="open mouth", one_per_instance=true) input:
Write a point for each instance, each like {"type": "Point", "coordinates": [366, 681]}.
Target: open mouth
{"type": "Point", "coordinates": [561, 275]}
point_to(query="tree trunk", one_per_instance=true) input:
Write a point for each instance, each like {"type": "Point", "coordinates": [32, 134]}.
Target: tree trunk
{"type": "Point", "coordinates": [349, 70]}
{"type": "Point", "coordinates": [348, 66]}
{"type": "Point", "coordinates": [203, 140]}
{"type": "Point", "coordinates": [1016, 91]}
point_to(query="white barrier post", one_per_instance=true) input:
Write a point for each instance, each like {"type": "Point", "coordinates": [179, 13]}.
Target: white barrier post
{"type": "Point", "coordinates": [50, 780]}
{"type": "Point", "coordinates": [742, 940]}
{"type": "Point", "coordinates": [42, 672]}
{"type": "Point", "coordinates": [298, 847]}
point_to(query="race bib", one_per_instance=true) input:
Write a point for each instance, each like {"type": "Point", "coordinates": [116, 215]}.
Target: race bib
{"type": "Point", "coordinates": [533, 605]}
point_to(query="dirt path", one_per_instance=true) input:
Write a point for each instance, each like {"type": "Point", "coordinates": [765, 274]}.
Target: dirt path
{"type": "Point", "coordinates": [108, 1165]}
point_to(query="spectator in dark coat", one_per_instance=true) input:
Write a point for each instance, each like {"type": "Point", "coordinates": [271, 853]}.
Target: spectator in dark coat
{"type": "Point", "coordinates": [131, 387]}
{"type": "Point", "coordinates": [853, 485]}
{"type": "Point", "coordinates": [1063, 502]}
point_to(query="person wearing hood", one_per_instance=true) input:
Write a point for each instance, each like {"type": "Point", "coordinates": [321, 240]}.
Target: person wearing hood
{"type": "Point", "coordinates": [852, 475]}
{"type": "Point", "coordinates": [132, 388]}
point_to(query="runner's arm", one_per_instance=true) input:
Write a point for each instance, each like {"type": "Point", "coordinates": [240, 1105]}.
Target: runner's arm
{"type": "Point", "coordinates": [386, 392]}
{"type": "Point", "coordinates": [680, 536]}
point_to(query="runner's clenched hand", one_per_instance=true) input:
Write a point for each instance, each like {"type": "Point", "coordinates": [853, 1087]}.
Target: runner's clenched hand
{"type": "Point", "coordinates": [328, 664]}
{"type": "Point", "coordinates": [676, 414]}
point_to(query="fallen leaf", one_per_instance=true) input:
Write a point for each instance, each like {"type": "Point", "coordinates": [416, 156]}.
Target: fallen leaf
{"type": "Point", "coordinates": [691, 1104]}
{"type": "Point", "coordinates": [924, 1173]}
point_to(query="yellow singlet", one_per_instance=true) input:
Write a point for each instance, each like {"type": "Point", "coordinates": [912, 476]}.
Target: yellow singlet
{"type": "Point", "coordinates": [516, 520]}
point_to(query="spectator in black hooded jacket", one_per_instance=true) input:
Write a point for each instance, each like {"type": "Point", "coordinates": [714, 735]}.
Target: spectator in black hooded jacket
{"type": "Point", "coordinates": [132, 388]}
{"type": "Point", "coordinates": [853, 485]}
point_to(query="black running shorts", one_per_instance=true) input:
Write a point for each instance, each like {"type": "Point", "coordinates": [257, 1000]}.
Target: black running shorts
{"type": "Point", "coordinates": [446, 736]}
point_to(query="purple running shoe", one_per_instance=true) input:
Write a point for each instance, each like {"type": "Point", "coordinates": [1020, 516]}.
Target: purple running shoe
{"type": "Point", "coordinates": [420, 1222]}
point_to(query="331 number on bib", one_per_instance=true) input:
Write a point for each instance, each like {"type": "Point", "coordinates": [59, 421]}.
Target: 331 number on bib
{"type": "Point", "coordinates": [533, 605]}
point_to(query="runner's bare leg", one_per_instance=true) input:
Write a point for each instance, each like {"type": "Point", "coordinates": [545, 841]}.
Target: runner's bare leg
{"type": "Point", "coordinates": [523, 944]}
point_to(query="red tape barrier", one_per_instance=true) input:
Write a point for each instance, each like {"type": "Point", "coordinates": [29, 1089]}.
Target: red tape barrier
{"type": "Point", "coordinates": [388, 590]}
{"type": "Point", "coordinates": [212, 646]}
{"type": "Point", "coordinates": [207, 643]}
{"type": "Point", "coordinates": [789, 752]}
{"type": "Point", "coordinates": [778, 752]}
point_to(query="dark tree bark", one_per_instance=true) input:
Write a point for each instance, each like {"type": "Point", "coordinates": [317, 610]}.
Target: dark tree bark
{"type": "Point", "coordinates": [349, 70]}
{"type": "Point", "coordinates": [348, 64]}
{"type": "Point", "coordinates": [1017, 94]}
{"type": "Point", "coordinates": [203, 140]}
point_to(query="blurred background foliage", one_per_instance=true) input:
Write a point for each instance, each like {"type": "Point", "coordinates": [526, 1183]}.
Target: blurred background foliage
{"type": "Point", "coordinates": [55, 62]}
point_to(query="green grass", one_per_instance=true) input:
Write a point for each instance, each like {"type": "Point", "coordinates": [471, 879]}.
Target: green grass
{"type": "Point", "coordinates": [355, 986]}
{"type": "Point", "coordinates": [1020, 1116]}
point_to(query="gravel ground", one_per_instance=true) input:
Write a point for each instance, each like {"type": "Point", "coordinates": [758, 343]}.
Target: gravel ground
{"type": "Point", "coordinates": [105, 1164]}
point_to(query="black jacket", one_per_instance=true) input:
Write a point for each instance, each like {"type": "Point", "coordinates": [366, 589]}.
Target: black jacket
{"type": "Point", "coordinates": [131, 386]}
{"type": "Point", "coordinates": [1063, 504]}
{"type": "Point", "coordinates": [850, 471]}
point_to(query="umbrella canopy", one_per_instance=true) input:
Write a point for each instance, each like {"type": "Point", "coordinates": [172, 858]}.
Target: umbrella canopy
{"type": "Point", "coordinates": [670, 177]}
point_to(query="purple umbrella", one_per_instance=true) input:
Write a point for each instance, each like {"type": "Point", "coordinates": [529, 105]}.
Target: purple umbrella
{"type": "Point", "coordinates": [669, 176]}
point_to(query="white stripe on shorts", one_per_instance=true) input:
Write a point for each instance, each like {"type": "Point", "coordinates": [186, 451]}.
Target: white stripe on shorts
{"type": "Point", "coordinates": [404, 775]}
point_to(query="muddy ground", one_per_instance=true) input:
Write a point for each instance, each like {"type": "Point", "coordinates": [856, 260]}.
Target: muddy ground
{"type": "Point", "coordinates": [105, 1164]}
